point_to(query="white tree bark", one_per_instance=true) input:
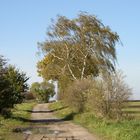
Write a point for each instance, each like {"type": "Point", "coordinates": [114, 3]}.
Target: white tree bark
{"type": "Point", "coordinates": [70, 70]}
{"type": "Point", "coordinates": [84, 66]}
{"type": "Point", "coordinates": [57, 56]}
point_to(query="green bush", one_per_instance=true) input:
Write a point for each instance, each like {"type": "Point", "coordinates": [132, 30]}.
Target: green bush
{"type": "Point", "coordinates": [13, 83]}
{"type": "Point", "coordinates": [44, 95]}
{"type": "Point", "coordinates": [43, 91]}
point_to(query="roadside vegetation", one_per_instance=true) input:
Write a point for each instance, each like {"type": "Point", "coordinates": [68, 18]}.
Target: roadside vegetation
{"type": "Point", "coordinates": [19, 114]}
{"type": "Point", "coordinates": [13, 94]}
{"type": "Point", "coordinates": [13, 83]}
{"type": "Point", "coordinates": [80, 54]}
{"type": "Point", "coordinates": [126, 129]}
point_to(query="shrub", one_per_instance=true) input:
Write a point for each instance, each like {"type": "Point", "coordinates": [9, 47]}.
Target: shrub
{"type": "Point", "coordinates": [76, 94]}
{"type": "Point", "coordinates": [108, 95]}
{"type": "Point", "coordinates": [104, 95]}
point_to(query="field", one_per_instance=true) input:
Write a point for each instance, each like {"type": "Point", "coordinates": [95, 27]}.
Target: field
{"type": "Point", "coordinates": [19, 113]}
{"type": "Point", "coordinates": [105, 129]}
{"type": "Point", "coordinates": [132, 108]}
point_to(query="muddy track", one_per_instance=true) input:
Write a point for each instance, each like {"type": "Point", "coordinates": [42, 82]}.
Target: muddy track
{"type": "Point", "coordinates": [54, 128]}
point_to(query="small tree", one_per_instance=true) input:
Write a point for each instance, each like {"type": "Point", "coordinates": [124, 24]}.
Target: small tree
{"type": "Point", "coordinates": [12, 84]}
{"type": "Point", "coordinates": [43, 91]}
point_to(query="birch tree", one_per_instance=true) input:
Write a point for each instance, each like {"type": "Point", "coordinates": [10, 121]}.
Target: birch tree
{"type": "Point", "coordinates": [77, 48]}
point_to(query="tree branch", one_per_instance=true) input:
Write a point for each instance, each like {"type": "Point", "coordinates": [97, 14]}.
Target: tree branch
{"type": "Point", "coordinates": [57, 56]}
{"type": "Point", "coordinates": [84, 66]}
{"type": "Point", "coordinates": [71, 72]}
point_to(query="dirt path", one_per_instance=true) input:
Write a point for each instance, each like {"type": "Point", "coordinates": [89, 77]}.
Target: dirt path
{"type": "Point", "coordinates": [44, 118]}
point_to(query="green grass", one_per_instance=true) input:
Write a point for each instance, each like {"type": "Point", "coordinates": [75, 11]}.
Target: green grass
{"type": "Point", "coordinates": [106, 130]}
{"type": "Point", "coordinates": [7, 125]}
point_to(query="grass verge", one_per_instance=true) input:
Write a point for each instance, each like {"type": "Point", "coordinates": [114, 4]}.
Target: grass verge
{"type": "Point", "coordinates": [107, 130]}
{"type": "Point", "coordinates": [18, 112]}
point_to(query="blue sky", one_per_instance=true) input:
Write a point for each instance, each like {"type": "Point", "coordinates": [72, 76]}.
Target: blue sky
{"type": "Point", "coordinates": [23, 23]}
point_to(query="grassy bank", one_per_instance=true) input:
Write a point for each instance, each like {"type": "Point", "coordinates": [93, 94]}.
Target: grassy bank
{"type": "Point", "coordinates": [19, 113]}
{"type": "Point", "coordinates": [106, 130]}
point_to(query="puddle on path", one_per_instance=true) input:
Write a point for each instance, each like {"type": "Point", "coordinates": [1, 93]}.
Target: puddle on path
{"type": "Point", "coordinates": [46, 132]}
{"type": "Point", "coordinates": [37, 130]}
